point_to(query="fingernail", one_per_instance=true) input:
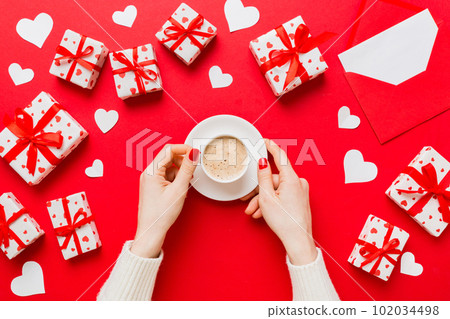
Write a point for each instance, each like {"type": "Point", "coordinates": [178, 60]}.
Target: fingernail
{"type": "Point", "coordinates": [194, 154]}
{"type": "Point", "coordinates": [262, 163]}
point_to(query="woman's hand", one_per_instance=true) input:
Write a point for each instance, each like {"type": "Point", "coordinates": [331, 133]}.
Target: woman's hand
{"type": "Point", "coordinates": [283, 201]}
{"type": "Point", "coordinates": [163, 188]}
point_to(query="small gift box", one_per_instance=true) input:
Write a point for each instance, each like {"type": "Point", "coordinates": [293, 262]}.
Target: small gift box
{"type": "Point", "coordinates": [74, 225]}
{"type": "Point", "coordinates": [79, 59]}
{"type": "Point", "coordinates": [423, 190]}
{"type": "Point", "coordinates": [288, 56]}
{"type": "Point", "coordinates": [136, 71]}
{"type": "Point", "coordinates": [17, 228]}
{"type": "Point", "coordinates": [378, 247]}
{"type": "Point", "coordinates": [39, 137]}
{"type": "Point", "coordinates": [186, 33]}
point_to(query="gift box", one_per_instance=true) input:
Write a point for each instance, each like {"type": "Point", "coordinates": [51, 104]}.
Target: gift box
{"type": "Point", "coordinates": [39, 137]}
{"type": "Point", "coordinates": [74, 225]}
{"type": "Point", "coordinates": [186, 33]}
{"type": "Point", "coordinates": [288, 56]}
{"type": "Point", "coordinates": [18, 229]}
{"type": "Point", "coordinates": [423, 190]}
{"type": "Point", "coordinates": [136, 71]}
{"type": "Point", "coordinates": [378, 247]}
{"type": "Point", "coordinates": [79, 59]}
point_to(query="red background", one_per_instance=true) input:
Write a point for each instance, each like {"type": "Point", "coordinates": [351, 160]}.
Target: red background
{"type": "Point", "coordinates": [214, 251]}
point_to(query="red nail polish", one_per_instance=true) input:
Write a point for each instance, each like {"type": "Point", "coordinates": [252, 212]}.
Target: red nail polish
{"type": "Point", "coordinates": [194, 154]}
{"type": "Point", "coordinates": [262, 163]}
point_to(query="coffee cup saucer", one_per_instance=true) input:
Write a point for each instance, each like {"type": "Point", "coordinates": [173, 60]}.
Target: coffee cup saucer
{"type": "Point", "coordinates": [223, 125]}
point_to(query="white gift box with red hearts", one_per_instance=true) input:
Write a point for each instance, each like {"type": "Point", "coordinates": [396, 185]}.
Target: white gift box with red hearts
{"type": "Point", "coordinates": [187, 50]}
{"type": "Point", "coordinates": [24, 226]}
{"type": "Point", "coordinates": [127, 82]}
{"type": "Point", "coordinates": [62, 123]}
{"type": "Point", "coordinates": [312, 61]}
{"type": "Point", "coordinates": [429, 215]}
{"type": "Point", "coordinates": [68, 68]}
{"type": "Point", "coordinates": [75, 209]}
{"type": "Point", "coordinates": [375, 232]}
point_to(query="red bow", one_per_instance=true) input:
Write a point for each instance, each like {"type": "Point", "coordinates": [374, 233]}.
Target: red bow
{"type": "Point", "coordinates": [372, 252]}
{"type": "Point", "coordinates": [428, 183]}
{"type": "Point", "coordinates": [5, 232]}
{"type": "Point", "coordinates": [70, 229]}
{"type": "Point", "coordinates": [303, 44]}
{"type": "Point", "coordinates": [77, 57]}
{"type": "Point", "coordinates": [177, 32]}
{"type": "Point", "coordinates": [137, 67]}
{"type": "Point", "coordinates": [22, 127]}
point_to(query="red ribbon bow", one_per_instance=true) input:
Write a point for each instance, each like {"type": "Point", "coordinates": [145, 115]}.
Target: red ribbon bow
{"type": "Point", "coordinates": [137, 67]}
{"type": "Point", "coordinates": [428, 183]}
{"type": "Point", "coordinates": [177, 32]}
{"type": "Point", "coordinates": [303, 44]}
{"type": "Point", "coordinates": [372, 252]}
{"type": "Point", "coordinates": [77, 57]}
{"type": "Point", "coordinates": [22, 127]}
{"type": "Point", "coordinates": [79, 219]}
{"type": "Point", "coordinates": [5, 232]}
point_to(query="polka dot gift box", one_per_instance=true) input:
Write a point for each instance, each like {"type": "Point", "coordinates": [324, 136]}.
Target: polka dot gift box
{"type": "Point", "coordinates": [423, 190]}
{"type": "Point", "coordinates": [18, 229]}
{"type": "Point", "coordinates": [288, 56]}
{"type": "Point", "coordinates": [79, 59]}
{"type": "Point", "coordinates": [135, 71]}
{"type": "Point", "coordinates": [74, 225]}
{"type": "Point", "coordinates": [38, 137]}
{"type": "Point", "coordinates": [186, 33]}
{"type": "Point", "coordinates": [378, 247]}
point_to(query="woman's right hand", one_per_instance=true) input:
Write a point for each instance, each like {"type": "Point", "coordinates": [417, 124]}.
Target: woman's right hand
{"type": "Point", "coordinates": [283, 201]}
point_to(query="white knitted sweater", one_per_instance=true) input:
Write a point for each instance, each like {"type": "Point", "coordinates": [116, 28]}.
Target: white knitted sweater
{"type": "Point", "coordinates": [133, 278]}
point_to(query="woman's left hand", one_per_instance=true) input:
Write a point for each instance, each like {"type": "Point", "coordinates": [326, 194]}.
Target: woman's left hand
{"type": "Point", "coordinates": [163, 188]}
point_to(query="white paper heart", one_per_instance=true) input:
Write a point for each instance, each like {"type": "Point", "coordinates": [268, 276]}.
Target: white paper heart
{"type": "Point", "coordinates": [106, 120]}
{"type": "Point", "coordinates": [96, 170]}
{"type": "Point", "coordinates": [346, 120]}
{"type": "Point", "coordinates": [408, 265]}
{"type": "Point", "coordinates": [35, 31]}
{"type": "Point", "coordinates": [31, 282]}
{"type": "Point", "coordinates": [125, 17]}
{"type": "Point", "coordinates": [240, 17]}
{"type": "Point", "coordinates": [219, 79]}
{"type": "Point", "coordinates": [356, 170]}
{"type": "Point", "coordinates": [19, 75]}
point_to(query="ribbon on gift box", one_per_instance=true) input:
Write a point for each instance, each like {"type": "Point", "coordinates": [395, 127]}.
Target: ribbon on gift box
{"type": "Point", "coordinates": [137, 67]}
{"type": "Point", "coordinates": [179, 33]}
{"type": "Point", "coordinates": [6, 232]}
{"type": "Point", "coordinates": [372, 252]}
{"type": "Point", "coordinates": [22, 128]}
{"type": "Point", "coordinates": [77, 58]}
{"type": "Point", "coordinates": [429, 186]}
{"type": "Point", "coordinates": [70, 230]}
{"type": "Point", "coordinates": [302, 44]}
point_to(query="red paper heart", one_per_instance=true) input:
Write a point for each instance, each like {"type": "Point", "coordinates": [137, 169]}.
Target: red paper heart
{"type": "Point", "coordinates": [144, 48]}
{"type": "Point", "coordinates": [133, 91]}
{"type": "Point", "coordinates": [41, 170]}
{"type": "Point", "coordinates": [269, 45]}
{"type": "Point", "coordinates": [210, 30]}
{"type": "Point", "coordinates": [404, 203]}
{"type": "Point", "coordinates": [57, 63]}
{"type": "Point", "coordinates": [374, 231]}
{"type": "Point", "coordinates": [184, 19]}
{"type": "Point", "coordinates": [276, 78]}
{"type": "Point", "coordinates": [263, 59]}
{"type": "Point", "coordinates": [78, 72]}
{"type": "Point", "coordinates": [2, 149]}
{"type": "Point", "coordinates": [378, 272]}
{"type": "Point", "coordinates": [292, 36]}
{"type": "Point", "coordinates": [122, 75]}
{"type": "Point", "coordinates": [321, 59]}
{"type": "Point", "coordinates": [25, 232]}
{"type": "Point", "coordinates": [85, 239]}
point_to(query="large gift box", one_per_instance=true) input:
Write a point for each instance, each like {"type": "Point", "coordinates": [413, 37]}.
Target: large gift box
{"type": "Point", "coordinates": [135, 71]}
{"type": "Point", "coordinates": [39, 137]}
{"type": "Point", "coordinates": [423, 190]}
{"type": "Point", "coordinates": [17, 228]}
{"type": "Point", "coordinates": [186, 33]}
{"type": "Point", "coordinates": [79, 59]}
{"type": "Point", "coordinates": [378, 247]}
{"type": "Point", "coordinates": [288, 56]}
{"type": "Point", "coordinates": [74, 225]}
